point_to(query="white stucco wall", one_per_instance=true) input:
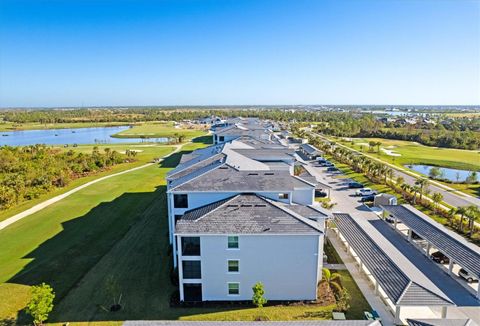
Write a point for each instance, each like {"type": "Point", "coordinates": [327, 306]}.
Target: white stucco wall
{"type": "Point", "coordinates": [304, 196]}
{"type": "Point", "coordinates": [288, 265]}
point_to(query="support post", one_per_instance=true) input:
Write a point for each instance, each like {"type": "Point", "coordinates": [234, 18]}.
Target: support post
{"type": "Point", "coordinates": [409, 235]}
{"type": "Point", "coordinates": [397, 320]}
{"type": "Point", "coordinates": [428, 248]}
{"type": "Point", "coordinates": [450, 267]}
{"type": "Point", "coordinates": [444, 312]}
{"type": "Point", "coordinates": [376, 287]}
{"type": "Point", "coordinates": [395, 223]}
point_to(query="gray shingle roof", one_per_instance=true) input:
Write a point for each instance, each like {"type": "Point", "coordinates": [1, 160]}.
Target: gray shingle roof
{"type": "Point", "coordinates": [226, 178]}
{"type": "Point", "coordinates": [310, 149]}
{"type": "Point", "coordinates": [440, 322]}
{"type": "Point", "coordinates": [190, 169]}
{"type": "Point", "coordinates": [461, 253]}
{"type": "Point", "coordinates": [396, 284]}
{"type": "Point", "coordinates": [262, 154]}
{"type": "Point", "coordinates": [244, 214]}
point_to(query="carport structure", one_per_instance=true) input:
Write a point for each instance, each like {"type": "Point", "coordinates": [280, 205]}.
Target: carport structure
{"type": "Point", "coordinates": [395, 286]}
{"type": "Point", "coordinates": [457, 249]}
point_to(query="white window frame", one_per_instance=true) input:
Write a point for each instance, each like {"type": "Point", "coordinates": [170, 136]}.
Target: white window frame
{"type": "Point", "coordinates": [228, 289]}
{"type": "Point", "coordinates": [238, 242]}
{"type": "Point", "coordinates": [228, 266]}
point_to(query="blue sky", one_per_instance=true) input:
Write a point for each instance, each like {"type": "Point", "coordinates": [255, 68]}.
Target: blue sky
{"type": "Point", "coordinates": [73, 53]}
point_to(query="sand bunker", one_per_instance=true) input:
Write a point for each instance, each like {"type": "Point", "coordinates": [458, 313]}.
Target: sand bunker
{"type": "Point", "coordinates": [390, 152]}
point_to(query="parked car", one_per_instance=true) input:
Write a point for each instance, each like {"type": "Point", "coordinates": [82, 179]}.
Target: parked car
{"type": "Point", "coordinates": [321, 160]}
{"type": "Point", "coordinates": [355, 185]}
{"type": "Point", "coordinates": [390, 219]}
{"type": "Point", "coordinates": [369, 198]}
{"type": "Point", "coordinates": [365, 192]}
{"type": "Point", "coordinates": [332, 169]}
{"type": "Point", "coordinates": [320, 193]}
{"type": "Point", "coordinates": [439, 257]}
{"type": "Point", "coordinates": [415, 236]}
{"type": "Point", "coordinates": [328, 164]}
{"type": "Point", "coordinates": [467, 276]}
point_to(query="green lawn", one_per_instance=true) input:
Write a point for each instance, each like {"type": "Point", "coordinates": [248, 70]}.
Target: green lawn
{"type": "Point", "coordinates": [115, 228]}
{"type": "Point", "coordinates": [414, 153]}
{"type": "Point", "coordinates": [160, 130]}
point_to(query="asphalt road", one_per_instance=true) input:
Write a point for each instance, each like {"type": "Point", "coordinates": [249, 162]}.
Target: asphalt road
{"type": "Point", "coordinates": [449, 196]}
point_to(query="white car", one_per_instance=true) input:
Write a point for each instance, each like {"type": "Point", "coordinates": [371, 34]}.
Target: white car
{"type": "Point", "coordinates": [365, 192]}
{"type": "Point", "coordinates": [467, 276]}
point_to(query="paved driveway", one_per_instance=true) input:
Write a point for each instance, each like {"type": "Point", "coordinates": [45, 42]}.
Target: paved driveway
{"type": "Point", "coordinates": [348, 203]}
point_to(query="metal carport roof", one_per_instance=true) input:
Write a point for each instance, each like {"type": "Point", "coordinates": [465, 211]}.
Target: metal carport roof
{"type": "Point", "coordinates": [463, 254]}
{"type": "Point", "coordinates": [399, 287]}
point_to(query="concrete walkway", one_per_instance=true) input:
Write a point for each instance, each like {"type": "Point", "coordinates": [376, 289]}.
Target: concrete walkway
{"type": "Point", "coordinates": [363, 283]}
{"type": "Point", "coordinates": [55, 199]}
{"type": "Point", "coordinates": [335, 266]}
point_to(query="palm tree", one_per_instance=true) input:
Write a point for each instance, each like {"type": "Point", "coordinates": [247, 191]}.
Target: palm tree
{"type": "Point", "coordinates": [332, 279]}
{"type": "Point", "coordinates": [400, 180]}
{"type": "Point", "coordinates": [405, 187]}
{"type": "Point", "coordinates": [422, 184]}
{"type": "Point", "coordinates": [473, 213]}
{"type": "Point", "coordinates": [462, 211]}
{"type": "Point", "coordinates": [451, 215]}
{"type": "Point", "coordinates": [416, 189]}
{"type": "Point", "coordinates": [437, 198]}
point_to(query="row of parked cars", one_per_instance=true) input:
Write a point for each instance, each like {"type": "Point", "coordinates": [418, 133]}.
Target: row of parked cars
{"type": "Point", "coordinates": [367, 194]}
{"type": "Point", "coordinates": [441, 258]}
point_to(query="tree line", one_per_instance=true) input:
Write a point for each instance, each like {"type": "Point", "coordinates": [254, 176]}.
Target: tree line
{"type": "Point", "coordinates": [459, 132]}
{"type": "Point", "coordinates": [29, 171]}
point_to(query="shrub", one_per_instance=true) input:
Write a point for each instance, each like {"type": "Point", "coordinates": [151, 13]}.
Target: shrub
{"type": "Point", "coordinates": [41, 303]}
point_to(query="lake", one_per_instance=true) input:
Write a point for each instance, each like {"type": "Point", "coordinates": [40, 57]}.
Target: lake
{"type": "Point", "coordinates": [450, 174]}
{"type": "Point", "coordinates": [70, 136]}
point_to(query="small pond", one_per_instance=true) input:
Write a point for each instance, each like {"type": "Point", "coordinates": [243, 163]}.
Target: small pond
{"type": "Point", "coordinates": [69, 136]}
{"type": "Point", "coordinates": [453, 175]}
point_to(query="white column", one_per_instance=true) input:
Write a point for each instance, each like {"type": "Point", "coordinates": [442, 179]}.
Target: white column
{"type": "Point", "coordinates": [428, 248]}
{"type": "Point", "coordinates": [450, 267]}
{"type": "Point", "coordinates": [444, 312]}
{"type": "Point", "coordinates": [409, 235]}
{"type": "Point", "coordinates": [395, 223]}
{"type": "Point", "coordinates": [397, 320]}
{"type": "Point", "coordinates": [180, 270]}
{"type": "Point", "coordinates": [174, 250]}
{"type": "Point", "coordinates": [376, 287]}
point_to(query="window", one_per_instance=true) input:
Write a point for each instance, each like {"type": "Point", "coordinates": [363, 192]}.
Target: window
{"type": "Point", "coordinates": [233, 266]}
{"type": "Point", "coordinates": [180, 201]}
{"type": "Point", "coordinates": [191, 269]}
{"type": "Point", "coordinates": [232, 242]}
{"type": "Point", "coordinates": [191, 246]}
{"type": "Point", "coordinates": [222, 138]}
{"type": "Point", "coordinates": [283, 195]}
{"type": "Point", "coordinates": [233, 288]}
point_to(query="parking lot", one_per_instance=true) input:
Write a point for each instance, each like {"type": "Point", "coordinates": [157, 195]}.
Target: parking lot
{"type": "Point", "coordinates": [459, 291]}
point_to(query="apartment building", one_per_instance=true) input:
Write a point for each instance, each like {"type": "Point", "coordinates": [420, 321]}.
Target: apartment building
{"type": "Point", "coordinates": [238, 215]}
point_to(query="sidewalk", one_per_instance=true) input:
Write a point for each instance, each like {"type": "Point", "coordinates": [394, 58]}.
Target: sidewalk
{"type": "Point", "coordinates": [363, 283]}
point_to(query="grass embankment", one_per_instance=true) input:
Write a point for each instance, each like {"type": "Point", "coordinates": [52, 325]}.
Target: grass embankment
{"type": "Point", "coordinates": [114, 228]}
{"type": "Point", "coordinates": [145, 153]}
{"type": "Point", "coordinates": [414, 153]}
{"type": "Point", "coordinates": [10, 126]}
{"type": "Point", "coordinates": [161, 130]}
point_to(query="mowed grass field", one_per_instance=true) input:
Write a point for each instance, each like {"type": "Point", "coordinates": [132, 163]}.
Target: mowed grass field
{"type": "Point", "coordinates": [10, 126]}
{"type": "Point", "coordinates": [160, 130]}
{"type": "Point", "coordinates": [414, 153]}
{"type": "Point", "coordinates": [116, 228]}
